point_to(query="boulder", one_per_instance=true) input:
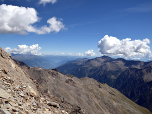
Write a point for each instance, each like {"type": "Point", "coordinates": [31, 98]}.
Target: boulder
{"type": "Point", "coordinates": [4, 54]}
{"type": "Point", "coordinates": [3, 111]}
{"type": "Point", "coordinates": [53, 104]}
{"type": "Point", "coordinates": [4, 94]}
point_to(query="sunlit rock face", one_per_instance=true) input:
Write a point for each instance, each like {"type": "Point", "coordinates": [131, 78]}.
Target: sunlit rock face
{"type": "Point", "coordinates": [19, 93]}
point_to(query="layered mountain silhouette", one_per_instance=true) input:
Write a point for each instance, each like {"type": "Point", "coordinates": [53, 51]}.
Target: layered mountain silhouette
{"type": "Point", "coordinates": [132, 78]}
{"type": "Point", "coordinates": [47, 62]}
{"type": "Point", "coordinates": [33, 60]}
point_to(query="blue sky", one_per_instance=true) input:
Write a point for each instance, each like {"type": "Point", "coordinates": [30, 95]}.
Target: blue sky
{"type": "Point", "coordinates": [83, 23]}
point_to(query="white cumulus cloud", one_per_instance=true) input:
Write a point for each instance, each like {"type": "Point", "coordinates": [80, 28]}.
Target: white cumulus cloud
{"type": "Point", "coordinates": [89, 53]}
{"type": "Point", "coordinates": [112, 46]}
{"type": "Point", "coordinates": [15, 19]}
{"type": "Point", "coordinates": [44, 2]}
{"type": "Point", "coordinates": [54, 25]}
{"type": "Point", "coordinates": [24, 49]}
{"type": "Point", "coordinates": [79, 54]}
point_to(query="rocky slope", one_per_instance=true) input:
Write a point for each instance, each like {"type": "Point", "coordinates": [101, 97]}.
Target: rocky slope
{"type": "Point", "coordinates": [132, 78]}
{"type": "Point", "coordinates": [19, 94]}
{"type": "Point", "coordinates": [91, 96]}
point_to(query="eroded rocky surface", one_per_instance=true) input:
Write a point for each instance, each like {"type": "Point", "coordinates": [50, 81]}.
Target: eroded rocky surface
{"type": "Point", "coordinates": [21, 95]}
{"type": "Point", "coordinates": [91, 96]}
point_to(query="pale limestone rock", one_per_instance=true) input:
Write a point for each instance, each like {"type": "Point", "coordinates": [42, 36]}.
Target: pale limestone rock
{"type": "Point", "coordinates": [3, 111]}
{"type": "Point", "coordinates": [4, 54]}
{"type": "Point", "coordinates": [4, 94]}
{"type": "Point", "coordinates": [64, 112]}
{"type": "Point", "coordinates": [22, 95]}
{"type": "Point", "coordinates": [24, 86]}
{"type": "Point", "coordinates": [13, 103]}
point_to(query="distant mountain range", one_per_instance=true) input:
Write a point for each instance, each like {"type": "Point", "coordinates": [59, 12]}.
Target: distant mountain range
{"type": "Point", "coordinates": [47, 62]}
{"type": "Point", "coordinates": [132, 78]}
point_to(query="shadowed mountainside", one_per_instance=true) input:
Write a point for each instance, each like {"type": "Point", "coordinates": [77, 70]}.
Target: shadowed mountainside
{"type": "Point", "coordinates": [136, 84]}
{"type": "Point", "coordinates": [92, 96]}
{"type": "Point", "coordinates": [104, 69]}
{"type": "Point", "coordinates": [132, 78]}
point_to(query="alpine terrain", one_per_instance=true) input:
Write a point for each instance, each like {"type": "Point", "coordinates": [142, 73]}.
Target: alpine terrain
{"type": "Point", "coordinates": [34, 90]}
{"type": "Point", "coordinates": [132, 78]}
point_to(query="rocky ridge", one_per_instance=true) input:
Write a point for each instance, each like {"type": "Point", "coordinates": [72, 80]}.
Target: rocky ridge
{"type": "Point", "coordinates": [21, 95]}
{"type": "Point", "coordinates": [91, 96]}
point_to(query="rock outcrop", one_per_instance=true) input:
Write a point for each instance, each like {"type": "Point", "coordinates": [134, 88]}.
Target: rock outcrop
{"type": "Point", "coordinates": [21, 95]}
